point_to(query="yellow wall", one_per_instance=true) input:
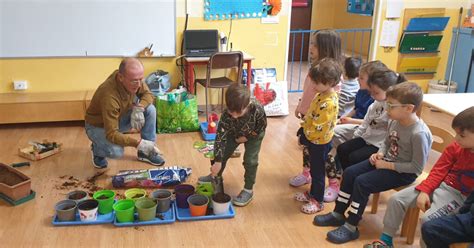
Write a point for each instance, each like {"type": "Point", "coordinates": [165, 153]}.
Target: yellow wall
{"type": "Point", "coordinates": [390, 58]}
{"type": "Point", "coordinates": [266, 42]}
{"type": "Point", "coordinates": [333, 14]}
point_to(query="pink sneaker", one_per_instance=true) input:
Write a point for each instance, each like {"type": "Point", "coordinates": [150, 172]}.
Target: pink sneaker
{"type": "Point", "coordinates": [300, 180]}
{"type": "Point", "coordinates": [312, 207]}
{"type": "Point", "coordinates": [331, 192]}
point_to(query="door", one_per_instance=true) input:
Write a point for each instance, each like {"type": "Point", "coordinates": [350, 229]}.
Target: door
{"type": "Point", "coordinates": [300, 20]}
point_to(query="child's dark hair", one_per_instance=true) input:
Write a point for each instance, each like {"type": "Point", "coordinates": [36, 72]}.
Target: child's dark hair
{"type": "Point", "coordinates": [237, 97]}
{"type": "Point", "coordinates": [328, 72]}
{"type": "Point", "coordinates": [328, 43]}
{"type": "Point", "coordinates": [372, 66]}
{"type": "Point", "coordinates": [352, 67]}
{"type": "Point", "coordinates": [464, 120]}
{"type": "Point", "coordinates": [385, 78]}
{"type": "Point", "coordinates": [406, 93]}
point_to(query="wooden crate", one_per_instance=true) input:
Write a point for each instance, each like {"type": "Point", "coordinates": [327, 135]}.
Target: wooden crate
{"type": "Point", "coordinates": [31, 154]}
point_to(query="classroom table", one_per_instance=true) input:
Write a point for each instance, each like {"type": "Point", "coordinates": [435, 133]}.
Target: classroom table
{"type": "Point", "coordinates": [191, 62]}
{"type": "Point", "coordinates": [451, 104]}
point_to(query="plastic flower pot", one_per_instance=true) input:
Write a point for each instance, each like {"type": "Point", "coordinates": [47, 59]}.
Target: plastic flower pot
{"type": "Point", "coordinates": [163, 200]}
{"type": "Point", "coordinates": [221, 203]}
{"type": "Point", "coordinates": [183, 191]}
{"type": "Point", "coordinates": [198, 205]}
{"type": "Point", "coordinates": [66, 210]}
{"type": "Point", "coordinates": [146, 209]}
{"type": "Point", "coordinates": [77, 196]}
{"type": "Point", "coordinates": [124, 210]}
{"type": "Point", "coordinates": [106, 200]}
{"type": "Point", "coordinates": [88, 209]}
{"type": "Point", "coordinates": [205, 189]}
{"type": "Point", "coordinates": [135, 194]}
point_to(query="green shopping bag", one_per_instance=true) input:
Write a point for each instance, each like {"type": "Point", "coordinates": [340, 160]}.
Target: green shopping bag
{"type": "Point", "coordinates": [175, 117]}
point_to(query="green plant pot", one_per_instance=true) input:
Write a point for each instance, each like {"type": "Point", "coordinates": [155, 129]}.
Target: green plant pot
{"type": "Point", "coordinates": [135, 194]}
{"type": "Point", "coordinates": [124, 210]}
{"type": "Point", "coordinates": [106, 200]}
{"type": "Point", "coordinates": [206, 190]}
{"type": "Point", "coordinates": [146, 209]}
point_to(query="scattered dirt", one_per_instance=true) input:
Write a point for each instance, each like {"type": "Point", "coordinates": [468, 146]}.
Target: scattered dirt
{"type": "Point", "coordinates": [160, 216]}
{"type": "Point", "coordinates": [9, 178]}
{"type": "Point", "coordinates": [70, 182]}
{"type": "Point", "coordinates": [119, 196]}
{"type": "Point", "coordinates": [138, 228]}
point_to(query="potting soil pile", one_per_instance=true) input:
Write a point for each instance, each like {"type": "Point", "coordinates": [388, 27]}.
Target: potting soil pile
{"type": "Point", "coordinates": [152, 178]}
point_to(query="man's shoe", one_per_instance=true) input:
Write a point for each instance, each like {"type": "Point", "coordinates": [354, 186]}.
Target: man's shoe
{"type": "Point", "coordinates": [153, 158]}
{"type": "Point", "coordinates": [98, 162]}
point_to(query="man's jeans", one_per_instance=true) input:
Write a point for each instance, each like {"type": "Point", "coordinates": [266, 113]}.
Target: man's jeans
{"type": "Point", "coordinates": [104, 148]}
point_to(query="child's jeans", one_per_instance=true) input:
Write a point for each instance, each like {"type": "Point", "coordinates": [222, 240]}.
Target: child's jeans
{"type": "Point", "coordinates": [314, 156]}
{"type": "Point", "coordinates": [443, 231]}
{"type": "Point", "coordinates": [252, 149]}
{"type": "Point", "coordinates": [354, 151]}
{"type": "Point", "coordinates": [361, 180]}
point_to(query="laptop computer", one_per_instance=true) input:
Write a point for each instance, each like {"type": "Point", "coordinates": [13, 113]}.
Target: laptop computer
{"type": "Point", "coordinates": [200, 43]}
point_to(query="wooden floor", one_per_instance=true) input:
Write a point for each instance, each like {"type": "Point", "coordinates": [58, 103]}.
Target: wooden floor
{"type": "Point", "coordinates": [272, 219]}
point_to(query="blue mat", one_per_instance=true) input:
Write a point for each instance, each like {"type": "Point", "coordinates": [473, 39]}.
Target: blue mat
{"type": "Point", "coordinates": [183, 214]}
{"type": "Point", "coordinates": [101, 219]}
{"type": "Point", "coordinates": [168, 217]}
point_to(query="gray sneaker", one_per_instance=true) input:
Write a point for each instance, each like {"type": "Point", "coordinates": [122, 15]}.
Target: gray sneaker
{"type": "Point", "coordinates": [153, 159]}
{"type": "Point", "coordinates": [205, 179]}
{"type": "Point", "coordinates": [243, 198]}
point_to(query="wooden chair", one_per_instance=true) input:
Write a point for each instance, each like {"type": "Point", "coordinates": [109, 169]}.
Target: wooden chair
{"type": "Point", "coordinates": [221, 60]}
{"type": "Point", "coordinates": [441, 139]}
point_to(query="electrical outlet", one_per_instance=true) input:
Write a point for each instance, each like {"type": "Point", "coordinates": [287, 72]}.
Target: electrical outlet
{"type": "Point", "coordinates": [20, 85]}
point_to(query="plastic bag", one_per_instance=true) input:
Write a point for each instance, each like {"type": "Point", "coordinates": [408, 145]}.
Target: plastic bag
{"type": "Point", "coordinates": [177, 112]}
{"type": "Point", "coordinates": [152, 178]}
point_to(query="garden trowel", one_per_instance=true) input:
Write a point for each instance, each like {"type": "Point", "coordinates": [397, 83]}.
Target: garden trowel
{"type": "Point", "coordinates": [218, 184]}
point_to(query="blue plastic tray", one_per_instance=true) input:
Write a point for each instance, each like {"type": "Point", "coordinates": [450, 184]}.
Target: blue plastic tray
{"type": "Point", "coordinates": [101, 219]}
{"type": "Point", "coordinates": [168, 217]}
{"type": "Point", "coordinates": [427, 24]}
{"type": "Point", "coordinates": [183, 214]}
{"type": "Point", "coordinates": [205, 135]}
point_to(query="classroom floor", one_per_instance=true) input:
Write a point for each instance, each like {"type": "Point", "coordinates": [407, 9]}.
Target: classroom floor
{"type": "Point", "coordinates": [272, 219]}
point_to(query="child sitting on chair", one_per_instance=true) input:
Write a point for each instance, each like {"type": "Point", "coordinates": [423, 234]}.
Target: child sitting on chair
{"type": "Point", "coordinates": [397, 163]}
{"type": "Point", "coordinates": [243, 121]}
{"type": "Point", "coordinates": [445, 189]}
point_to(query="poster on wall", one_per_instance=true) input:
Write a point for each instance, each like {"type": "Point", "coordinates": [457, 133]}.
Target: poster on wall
{"type": "Point", "coordinates": [361, 7]}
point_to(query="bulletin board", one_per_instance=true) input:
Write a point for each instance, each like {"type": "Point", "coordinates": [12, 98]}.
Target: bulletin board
{"type": "Point", "coordinates": [100, 28]}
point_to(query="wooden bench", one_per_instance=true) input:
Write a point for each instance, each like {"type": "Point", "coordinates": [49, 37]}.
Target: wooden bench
{"type": "Point", "coordinates": [43, 106]}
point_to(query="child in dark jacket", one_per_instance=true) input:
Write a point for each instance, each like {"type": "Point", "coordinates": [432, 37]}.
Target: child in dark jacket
{"type": "Point", "coordinates": [243, 121]}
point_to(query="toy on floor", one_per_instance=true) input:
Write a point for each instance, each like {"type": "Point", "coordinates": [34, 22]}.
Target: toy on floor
{"type": "Point", "coordinates": [205, 147]}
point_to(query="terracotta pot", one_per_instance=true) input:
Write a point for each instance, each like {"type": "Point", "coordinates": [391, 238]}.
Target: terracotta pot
{"type": "Point", "coordinates": [14, 184]}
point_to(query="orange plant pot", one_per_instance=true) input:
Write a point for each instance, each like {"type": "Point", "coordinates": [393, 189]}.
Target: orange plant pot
{"type": "Point", "coordinates": [198, 205]}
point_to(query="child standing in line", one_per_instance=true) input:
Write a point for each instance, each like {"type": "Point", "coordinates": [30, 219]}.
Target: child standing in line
{"type": "Point", "coordinates": [323, 44]}
{"type": "Point", "coordinates": [243, 121]}
{"type": "Point", "coordinates": [445, 189]}
{"type": "Point", "coordinates": [397, 163]}
{"type": "Point", "coordinates": [317, 130]}
{"type": "Point", "coordinates": [350, 86]}
{"type": "Point", "coordinates": [367, 138]}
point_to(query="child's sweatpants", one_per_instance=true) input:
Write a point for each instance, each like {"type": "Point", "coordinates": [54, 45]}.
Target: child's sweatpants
{"type": "Point", "coordinates": [315, 156]}
{"type": "Point", "coordinates": [252, 149]}
{"type": "Point", "coordinates": [444, 200]}
{"type": "Point", "coordinates": [361, 180]}
{"type": "Point", "coordinates": [354, 151]}
{"type": "Point", "coordinates": [441, 232]}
